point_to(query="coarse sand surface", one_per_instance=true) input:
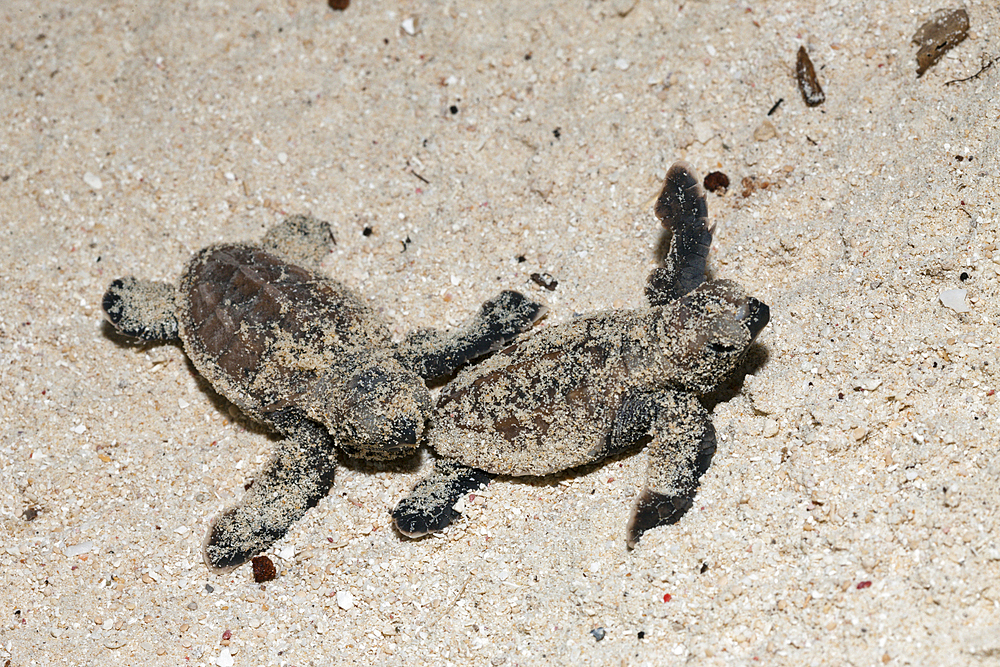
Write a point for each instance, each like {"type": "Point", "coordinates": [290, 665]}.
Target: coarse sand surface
{"type": "Point", "coordinates": [457, 148]}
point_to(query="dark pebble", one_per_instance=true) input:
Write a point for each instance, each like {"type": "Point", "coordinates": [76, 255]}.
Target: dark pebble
{"type": "Point", "coordinates": [339, 5]}
{"type": "Point", "coordinates": [716, 181]}
{"type": "Point", "coordinates": [263, 569]}
{"type": "Point", "coordinates": [598, 633]}
{"type": "Point", "coordinates": [752, 184]}
{"type": "Point", "coordinates": [544, 280]}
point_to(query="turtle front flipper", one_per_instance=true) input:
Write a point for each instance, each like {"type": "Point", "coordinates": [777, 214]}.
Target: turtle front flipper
{"type": "Point", "coordinates": [681, 449]}
{"type": "Point", "coordinates": [681, 208]}
{"type": "Point", "coordinates": [298, 476]}
{"type": "Point", "coordinates": [300, 239]}
{"type": "Point", "coordinates": [432, 354]}
{"type": "Point", "coordinates": [142, 309]}
{"type": "Point", "coordinates": [430, 507]}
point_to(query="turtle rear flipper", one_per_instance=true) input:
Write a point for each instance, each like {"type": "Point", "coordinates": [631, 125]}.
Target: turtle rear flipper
{"type": "Point", "coordinates": [142, 309]}
{"type": "Point", "coordinates": [681, 208]}
{"type": "Point", "coordinates": [298, 476]}
{"type": "Point", "coordinates": [432, 354]}
{"type": "Point", "coordinates": [430, 507]}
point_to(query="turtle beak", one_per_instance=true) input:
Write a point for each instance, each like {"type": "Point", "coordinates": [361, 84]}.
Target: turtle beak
{"type": "Point", "coordinates": [758, 316]}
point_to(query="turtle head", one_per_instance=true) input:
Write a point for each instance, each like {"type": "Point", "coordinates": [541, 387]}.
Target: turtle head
{"type": "Point", "coordinates": [705, 335]}
{"type": "Point", "coordinates": [381, 411]}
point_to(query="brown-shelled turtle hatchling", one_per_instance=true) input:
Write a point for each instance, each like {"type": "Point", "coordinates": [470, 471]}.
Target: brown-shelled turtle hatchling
{"type": "Point", "coordinates": [578, 392]}
{"type": "Point", "coordinates": [304, 355]}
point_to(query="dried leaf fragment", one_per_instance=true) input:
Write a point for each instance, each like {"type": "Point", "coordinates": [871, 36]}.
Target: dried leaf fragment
{"type": "Point", "coordinates": [809, 86]}
{"type": "Point", "coordinates": [946, 29]}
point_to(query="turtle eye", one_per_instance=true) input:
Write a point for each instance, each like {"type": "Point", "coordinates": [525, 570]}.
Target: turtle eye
{"type": "Point", "coordinates": [719, 348]}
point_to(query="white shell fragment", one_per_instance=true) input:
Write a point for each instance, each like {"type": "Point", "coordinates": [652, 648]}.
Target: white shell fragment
{"type": "Point", "coordinates": [868, 384]}
{"type": "Point", "coordinates": [345, 600]}
{"type": "Point", "coordinates": [93, 180]}
{"type": "Point", "coordinates": [955, 299]}
{"type": "Point", "coordinates": [78, 549]}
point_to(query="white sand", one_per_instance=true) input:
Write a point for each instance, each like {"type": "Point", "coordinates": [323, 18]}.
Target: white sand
{"type": "Point", "coordinates": [863, 448]}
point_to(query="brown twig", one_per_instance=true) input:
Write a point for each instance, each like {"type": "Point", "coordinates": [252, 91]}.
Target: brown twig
{"type": "Point", "coordinates": [974, 76]}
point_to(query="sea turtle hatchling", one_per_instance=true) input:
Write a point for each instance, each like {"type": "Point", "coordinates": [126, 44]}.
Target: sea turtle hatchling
{"type": "Point", "coordinates": [302, 354]}
{"type": "Point", "coordinates": [578, 392]}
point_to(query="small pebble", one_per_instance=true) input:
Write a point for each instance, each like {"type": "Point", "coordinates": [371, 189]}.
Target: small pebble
{"type": "Point", "coordinates": [955, 299]}
{"type": "Point", "coordinates": [263, 569]}
{"type": "Point", "coordinates": [345, 600]}
{"type": "Point", "coordinates": [752, 184]}
{"type": "Point", "coordinates": [598, 633]}
{"type": "Point", "coordinates": [544, 280]}
{"type": "Point", "coordinates": [716, 181]}
{"type": "Point", "coordinates": [409, 26]}
{"type": "Point", "coordinates": [93, 180]}
{"type": "Point", "coordinates": [339, 5]}
{"type": "Point", "coordinates": [765, 131]}
{"type": "Point", "coordinates": [703, 131]}
{"type": "Point", "coordinates": [869, 384]}
{"type": "Point", "coordinates": [225, 658]}
{"type": "Point", "coordinates": [79, 548]}
{"type": "Point", "coordinates": [623, 7]}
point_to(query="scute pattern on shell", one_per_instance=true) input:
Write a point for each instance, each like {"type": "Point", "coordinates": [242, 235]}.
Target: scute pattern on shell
{"type": "Point", "coordinates": [261, 329]}
{"type": "Point", "coordinates": [300, 353]}
{"type": "Point", "coordinates": [529, 409]}
{"type": "Point", "coordinates": [577, 392]}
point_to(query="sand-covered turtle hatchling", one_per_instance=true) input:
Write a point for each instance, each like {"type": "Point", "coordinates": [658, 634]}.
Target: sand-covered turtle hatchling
{"type": "Point", "coordinates": [575, 393]}
{"type": "Point", "coordinates": [304, 355]}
